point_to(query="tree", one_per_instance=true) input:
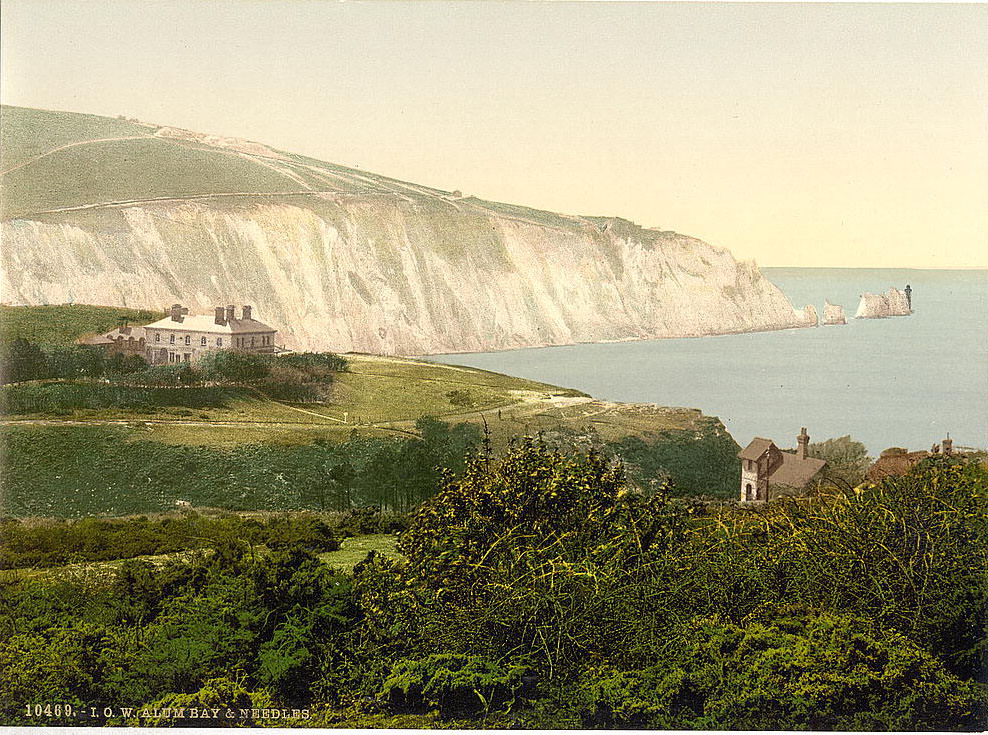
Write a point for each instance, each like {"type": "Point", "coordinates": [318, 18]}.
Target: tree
{"type": "Point", "coordinates": [847, 460]}
{"type": "Point", "coordinates": [536, 552]}
{"type": "Point", "coordinates": [22, 360]}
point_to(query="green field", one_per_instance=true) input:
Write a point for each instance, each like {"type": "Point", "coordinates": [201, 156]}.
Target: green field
{"type": "Point", "coordinates": [354, 550]}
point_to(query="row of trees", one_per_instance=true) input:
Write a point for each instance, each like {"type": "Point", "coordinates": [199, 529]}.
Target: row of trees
{"type": "Point", "coordinates": [295, 377]}
{"type": "Point", "coordinates": [536, 590]}
{"type": "Point", "coordinates": [21, 360]}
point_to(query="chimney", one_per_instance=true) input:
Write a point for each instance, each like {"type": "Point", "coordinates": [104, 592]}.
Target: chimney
{"type": "Point", "coordinates": [230, 309]}
{"type": "Point", "coordinates": [246, 311]}
{"type": "Point", "coordinates": [802, 440]}
{"type": "Point", "coordinates": [948, 446]}
{"type": "Point", "coordinates": [177, 311]}
{"type": "Point", "coordinates": [220, 318]}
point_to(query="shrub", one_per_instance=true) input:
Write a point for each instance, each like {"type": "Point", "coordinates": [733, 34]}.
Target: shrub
{"type": "Point", "coordinates": [233, 366]}
{"type": "Point", "coordinates": [220, 693]}
{"type": "Point", "coordinates": [454, 684]}
{"type": "Point", "coordinates": [22, 360]}
{"type": "Point", "coordinates": [822, 672]}
{"type": "Point", "coordinates": [312, 361]}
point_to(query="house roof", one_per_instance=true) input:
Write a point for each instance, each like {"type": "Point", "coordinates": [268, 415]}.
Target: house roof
{"type": "Point", "coordinates": [112, 336]}
{"type": "Point", "coordinates": [794, 471]}
{"type": "Point", "coordinates": [204, 323]}
{"type": "Point", "coordinates": [756, 448]}
{"type": "Point", "coordinates": [893, 465]}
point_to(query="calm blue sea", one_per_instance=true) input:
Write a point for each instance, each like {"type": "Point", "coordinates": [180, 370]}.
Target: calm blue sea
{"type": "Point", "coordinates": [903, 381]}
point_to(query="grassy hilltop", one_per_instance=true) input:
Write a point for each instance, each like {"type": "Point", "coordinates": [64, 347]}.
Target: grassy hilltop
{"type": "Point", "coordinates": [98, 160]}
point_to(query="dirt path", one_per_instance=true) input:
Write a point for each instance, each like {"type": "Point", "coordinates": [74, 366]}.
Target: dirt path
{"type": "Point", "coordinates": [71, 145]}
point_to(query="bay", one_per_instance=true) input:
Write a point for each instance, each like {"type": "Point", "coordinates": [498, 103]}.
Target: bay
{"type": "Point", "coordinates": [901, 381]}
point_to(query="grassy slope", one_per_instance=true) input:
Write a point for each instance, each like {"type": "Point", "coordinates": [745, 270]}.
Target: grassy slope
{"type": "Point", "coordinates": [26, 133]}
{"type": "Point", "coordinates": [123, 170]}
{"type": "Point", "coordinates": [63, 324]}
{"type": "Point", "coordinates": [41, 173]}
{"type": "Point", "coordinates": [354, 550]}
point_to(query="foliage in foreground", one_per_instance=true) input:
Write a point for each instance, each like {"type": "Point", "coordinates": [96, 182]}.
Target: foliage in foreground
{"type": "Point", "coordinates": [56, 543]}
{"type": "Point", "coordinates": [536, 590]}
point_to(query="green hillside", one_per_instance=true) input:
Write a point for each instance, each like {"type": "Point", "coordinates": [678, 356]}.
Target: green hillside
{"type": "Point", "coordinates": [63, 324]}
{"type": "Point", "coordinates": [61, 160]}
{"type": "Point", "coordinates": [26, 133]}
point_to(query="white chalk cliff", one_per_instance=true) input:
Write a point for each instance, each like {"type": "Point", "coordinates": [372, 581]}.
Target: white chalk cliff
{"type": "Point", "coordinates": [345, 260]}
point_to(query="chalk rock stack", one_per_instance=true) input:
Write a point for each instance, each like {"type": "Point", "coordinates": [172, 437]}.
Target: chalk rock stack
{"type": "Point", "coordinates": [833, 313]}
{"type": "Point", "coordinates": [878, 306]}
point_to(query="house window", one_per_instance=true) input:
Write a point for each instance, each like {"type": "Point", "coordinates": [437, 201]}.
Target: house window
{"type": "Point", "coordinates": [203, 341]}
{"type": "Point", "coordinates": [157, 337]}
{"type": "Point", "coordinates": [172, 339]}
{"type": "Point", "coordinates": [188, 339]}
{"type": "Point", "coordinates": [251, 341]}
{"type": "Point", "coordinates": [219, 341]}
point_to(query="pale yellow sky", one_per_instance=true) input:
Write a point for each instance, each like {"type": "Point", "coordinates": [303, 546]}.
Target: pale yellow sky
{"type": "Point", "coordinates": [794, 134]}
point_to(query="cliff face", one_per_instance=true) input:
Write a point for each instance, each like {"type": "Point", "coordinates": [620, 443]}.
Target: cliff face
{"type": "Point", "coordinates": [120, 213]}
{"type": "Point", "coordinates": [395, 277]}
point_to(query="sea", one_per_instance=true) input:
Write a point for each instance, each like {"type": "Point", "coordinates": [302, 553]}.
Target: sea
{"type": "Point", "coordinates": [895, 382]}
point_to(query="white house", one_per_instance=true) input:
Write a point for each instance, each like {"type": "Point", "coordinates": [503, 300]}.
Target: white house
{"type": "Point", "coordinates": [181, 337]}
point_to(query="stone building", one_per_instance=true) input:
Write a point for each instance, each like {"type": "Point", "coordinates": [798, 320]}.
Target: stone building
{"type": "Point", "coordinates": [181, 337]}
{"type": "Point", "coordinates": [764, 466]}
{"type": "Point", "coordinates": [123, 340]}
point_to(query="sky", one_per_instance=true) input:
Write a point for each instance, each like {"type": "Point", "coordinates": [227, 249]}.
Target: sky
{"type": "Point", "coordinates": [844, 135]}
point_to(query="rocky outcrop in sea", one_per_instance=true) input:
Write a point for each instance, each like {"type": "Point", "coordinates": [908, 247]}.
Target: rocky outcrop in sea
{"type": "Point", "coordinates": [878, 306]}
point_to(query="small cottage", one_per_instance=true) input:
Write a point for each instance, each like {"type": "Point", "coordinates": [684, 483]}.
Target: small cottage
{"type": "Point", "coordinates": [764, 466]}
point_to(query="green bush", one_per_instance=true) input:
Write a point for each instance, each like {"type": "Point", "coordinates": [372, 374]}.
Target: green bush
{"type": "Point", "coordinates": [821, 672]}
{"type": "Point", "coordinates": [326, 361]}
{"type": "Point", "coordinates": [234, 366]}
{"type": "Point", "coordinates": [696, 464]}
{"type": "Point", "coordinates": [54, 543]}
{"type": "Point", "coordinates": [31, 398]}
{"type": "Point", "coordinates": [454, 684]}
